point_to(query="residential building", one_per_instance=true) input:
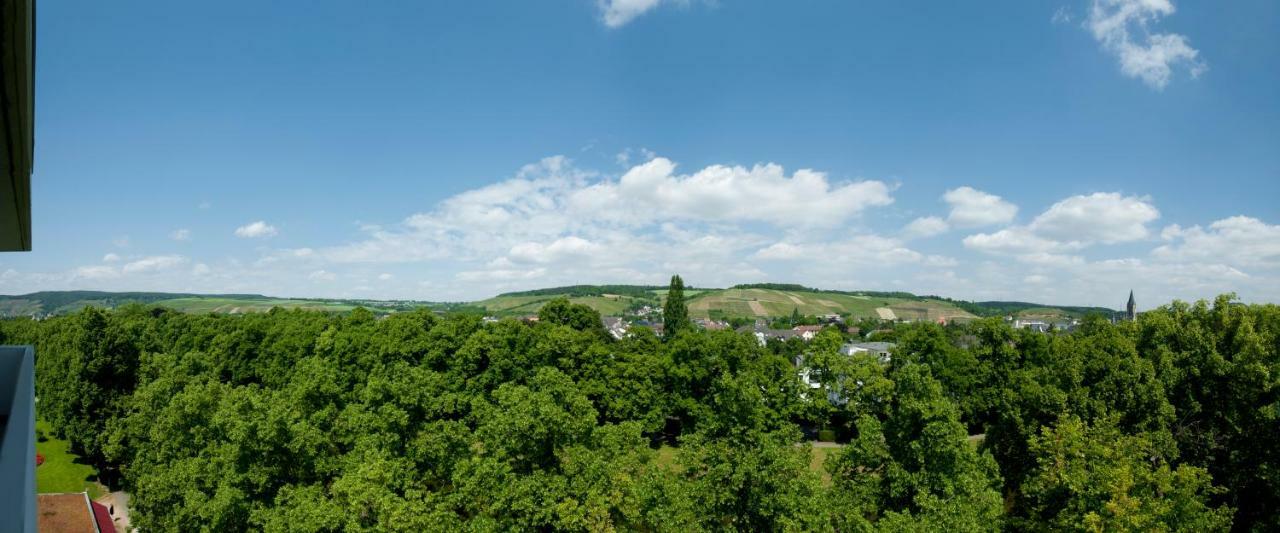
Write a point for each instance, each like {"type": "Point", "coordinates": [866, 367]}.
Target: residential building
{"type": "Point", "coordinates": [807, 332]}
{"type": "Point", "coordinates": [879, 349]}
{"type": "Point", "coordinates": [616, 327]}
{"type": "Point", "coordinates": [73, 512]}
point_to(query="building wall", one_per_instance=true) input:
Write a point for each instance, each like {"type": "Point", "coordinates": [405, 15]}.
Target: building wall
{"type": "Point", "coordinates": [18, 447]}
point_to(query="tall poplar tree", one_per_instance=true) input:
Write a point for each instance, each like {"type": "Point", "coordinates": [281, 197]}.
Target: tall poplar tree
{"type": "Point", "coordinates": [675, 315]}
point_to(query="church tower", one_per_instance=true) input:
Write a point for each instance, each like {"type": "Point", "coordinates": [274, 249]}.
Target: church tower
{"type": "Point", "coordinates": [1131, 309]}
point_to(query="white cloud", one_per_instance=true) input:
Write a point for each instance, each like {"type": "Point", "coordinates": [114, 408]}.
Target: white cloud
{"type": "Point", "coordinates": [1070, 225]}
{"type": "Point", "coordinates": [1099, 217]}
{"type": "Point", "coordinates": [256, 229]}
{"type": "Point", "coordinates": [153, 263]}
{"type": "Point", "coordinates": [550, 204]}
{"type": "Point", "coordinates": [1239, 240]}
{"type": "Point", "coordinates": [973, 208]}
{"type": "Point", "coordinates": [925, 227]}
{"type": "Point", "coordinates": [561, 249]}
{"type": "Point", "coordinates": [501, 274]}
{"type": "Point", "coordinates": [96, 272]}
{"type": "Point", "coordinates": [1035, 279]}
{"type": "Point", "coordinates": [110, 258]}
{"type": "Point", "coordinates": [322, 275]}
{"type": "Point", "coordinates": [1122, 27]}
{"type": "Point", "coordinates": [653, 190]}
{"type": "Point", "coordinates": [1062, 16]}
{"type": "Point", "coordinates": [859, 250]}
{"type": "Point", "coordinates": [1014, 240]}
{"type": "Point", "coordinates": [385, 276]}
{"type": "Point", "coordinates": [617, 13]}
{"type": "Point", "coordinates": [181, 234]}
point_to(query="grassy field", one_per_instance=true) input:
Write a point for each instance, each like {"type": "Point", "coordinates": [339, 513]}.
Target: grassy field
{"type": "Point", "coordinates": [746, 303]}
{"type": "Point", "coordinates": [61, 472]}
{"type": "Point", "coordinates": [239, 305]}
{"type": "Point", "coordinates": [730, 303]}
{"type": "Point", "coordinates": [609, 305]}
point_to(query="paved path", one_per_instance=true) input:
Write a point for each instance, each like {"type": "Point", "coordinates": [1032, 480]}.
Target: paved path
{"type": "Point", "coordinates": [118, 503]}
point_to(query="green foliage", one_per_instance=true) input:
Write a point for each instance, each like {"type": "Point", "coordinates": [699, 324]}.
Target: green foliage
{"type": "Point", "coordinates": [1103, 480]}
{"type": "Point", "coordinates": [580, 317]}
{"type": "Point", "coordinates": [297, 420]}
{"type": "Point", "coordinates": [675, 314]}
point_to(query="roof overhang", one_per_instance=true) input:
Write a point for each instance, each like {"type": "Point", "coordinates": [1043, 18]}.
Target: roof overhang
{"type": "Point", "coordinates": [17, 122]}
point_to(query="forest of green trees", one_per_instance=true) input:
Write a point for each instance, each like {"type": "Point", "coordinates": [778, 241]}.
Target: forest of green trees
{"type": "Point", "coordinates": [307, 421]}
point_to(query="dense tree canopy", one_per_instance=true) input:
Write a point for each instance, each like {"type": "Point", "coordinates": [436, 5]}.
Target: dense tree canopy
{"type": "Point", "coordinates": [305, 421]}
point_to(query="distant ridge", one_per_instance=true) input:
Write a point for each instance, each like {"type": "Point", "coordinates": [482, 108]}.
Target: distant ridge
{"type": "Point", "coordinates": [742, 300]}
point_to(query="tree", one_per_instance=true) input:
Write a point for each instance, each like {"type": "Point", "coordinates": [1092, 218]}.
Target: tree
{"type": "Point", "coordinates": [675, 315]}
{"type": "Point", "coordinates": [916, 467]}
{"type": "Point", "coordinates": [577, 316]}
{"type": "Point", "coordinates": [1104, 480]}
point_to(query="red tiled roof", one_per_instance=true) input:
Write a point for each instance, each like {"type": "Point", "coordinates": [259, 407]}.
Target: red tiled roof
{"type": "Point", "coordinates": [100, 514]}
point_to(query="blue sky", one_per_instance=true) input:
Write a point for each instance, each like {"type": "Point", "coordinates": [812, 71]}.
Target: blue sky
{"type": "Point", "coordinates": [1059, 151]}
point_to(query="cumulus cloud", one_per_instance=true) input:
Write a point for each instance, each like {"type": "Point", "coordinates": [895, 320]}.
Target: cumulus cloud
{"type": "Point", "coordinates": [552, 208]}
{"type": "Point", "coordinates": [96, 272]}
{"type": "Point", "coordinates": [1099, 217]}
{"type": "Point", "coordinates": [256, 230]}
{"type": "Point", "coordinates": [1123, 28]}
{"type": "Point", "coordinates": [1239, 240]}
{"type": "Point", "coordinates": [973, 208]}
{"type": "Point", "coordinates": [110, 258]}
{"type": "Point", "coordinates": [181, 234]}
{"type": "Point", "coordinates": [561, 249]}
{"type": "Point", "coordinates": [925, 227]}
{"type": "Point", "coordinates": [862, 249]}
{"type": "Point", "coordinates": [1072, 224]}
{"type": "Point", "coordinates": [153, 263]}
{"type": "Point", "coordinates": [654, 190]}
{"type": "Point", "coordinates": [322, 275]}
{"type": "Point", "coordinates": [1015, 240]}
{"type": "Point", "coordinates": [617, 13]}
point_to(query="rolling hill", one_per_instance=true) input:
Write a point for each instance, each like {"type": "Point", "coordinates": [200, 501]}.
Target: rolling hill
{"type": "Point", "coordinates": [741, 301]}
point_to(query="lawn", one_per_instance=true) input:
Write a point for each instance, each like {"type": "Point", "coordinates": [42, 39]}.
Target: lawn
{"type": "Point", "coordinates": [62, 471]}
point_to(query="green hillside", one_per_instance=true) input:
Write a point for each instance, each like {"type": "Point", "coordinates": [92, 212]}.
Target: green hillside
{"type": "Point", "coordinates": [606, 304]}
{"type": "Point", "coordinates": [753, 302]}
{"type": "Point", "coordinates": [741, 301]}
{"type": "Point", "coordinates": [63, 302]}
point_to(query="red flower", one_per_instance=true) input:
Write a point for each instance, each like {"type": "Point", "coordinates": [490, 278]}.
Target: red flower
{"type": "Point", "coordinates": [39, 459]}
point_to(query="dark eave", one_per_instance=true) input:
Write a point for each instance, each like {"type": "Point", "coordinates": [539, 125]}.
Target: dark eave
{"type": "Point", "coordinates": [17, 123]}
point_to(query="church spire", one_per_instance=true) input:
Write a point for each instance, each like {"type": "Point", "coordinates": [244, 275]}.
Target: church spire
{"type": "Point", "coordinates": [1131, 309]}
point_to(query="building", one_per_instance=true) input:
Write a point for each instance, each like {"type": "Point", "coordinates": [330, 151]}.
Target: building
{"type": "Point", "coordinates": [1131, 308]}
{"type": "Point", "coordinates": [879, 349]}
{"type": "Point", "coordinates": [836, 387]}
{"type": "Point", "coordinates": [807, 332]}
{"type": "Point", "coordinates": [73, 512]}
{"type": "Point", "coordinates": [616, 327]}
{"type": "Point", "coordinates": [1038, 326]}
{"type": "Point", "coordinates": [17, 363]}
{"type": "Point", "coordinates": [17, 439]}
